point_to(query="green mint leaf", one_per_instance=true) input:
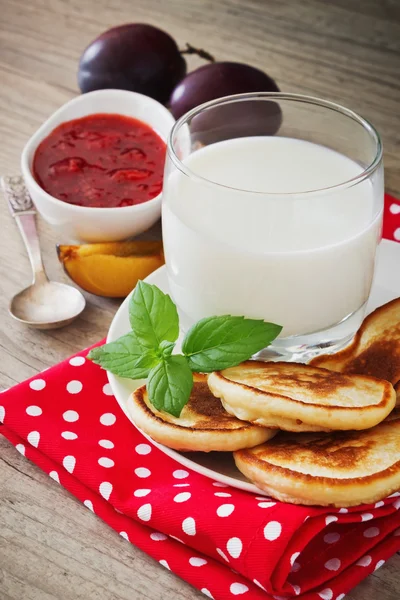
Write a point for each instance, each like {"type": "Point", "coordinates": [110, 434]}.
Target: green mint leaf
{"type": "Point", "coordinates": [153, 316]}
{"type": "Point", "coordinates": [166, 348]}
{"type": "Point", "coordinates": [217, 343]}
{"type": "Point", "coordinates": [169, 384]}
{"type": "Point", "coordinates": [126, 357]}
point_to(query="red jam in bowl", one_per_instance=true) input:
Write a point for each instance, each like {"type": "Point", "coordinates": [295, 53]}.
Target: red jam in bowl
{"type": "Point", "coordinates": [103, 160]}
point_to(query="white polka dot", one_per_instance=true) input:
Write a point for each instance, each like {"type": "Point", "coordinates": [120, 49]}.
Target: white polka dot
{"type": "Point", "coordinates": [207, 593]}
{"type": "Point", "coordinates": [34, 438]}
{"type": "Point", "coordinates": [69, 435]}
{"type": "Point", "coordinates": [225, 510]}
{"type": "Point", "coordinates": [108, 419]}
{"type": "Point", "coordinates": [344, 510]}
{"type": "Point", "coordinates": [367, 516]}
{"type": "Point", "coordinates": [396, 504]}
{"type": "Point", "coordinates": [326, 594]}
{"type": "Point", "coordinates": [294, 557]}
{"type": "Point", "coordinates": [296, 589]}
{"type": "Point", "coordinates": [219, 484]}
{"type": "Point", "coordinates": [221, 553]}
{"type": "Point", "coordinates": [234, 547]}
{"type": "Point", "coordinates": [331, 538]}
{"type": "Point", "coordinates": [106, 444]}
{"type": "Point", "coordinates": [105, 462]}
{"type": "Point", "coordinates": [105, 489]}
{"type": "Point", "coordinates": [77, 361]}
{"type": "Point", "coordinates": [124, 535]}
{"type": "Point", "coordinates": [333, 564]}
{"type": "Point", "coordinates": [222, 494]}
{"type": "Point", "coordinates": [141, 493]}
{"type": "Point", "coordinates": [295, 567]}
{"type": "Point", "coordinates": [330, 519]}
{"type": "Point", "coordinates": [379, 564]}
{"type": "Point", "coordinates": [71, 416]}
{"type": "Point", "coordinates": [181, 485]}
{"type": "Point", "coordinates": [180, 474]}
{"type": "Point", "coordinates": [2, 413]}
{"type": "Point", "coordinates": [37, 384]}
{"type": "Point", "coordinates": [394, 209]}
{"type": "Point", "coordinates": [157, 536]}
{"type": "Point", "coordinates": [144, 512]}
{"type": "Point", "coordinates": [20, 448]}
{"type": "Point", "coordinates": [164, 564]}
{"type": "Point", "coordinates": [54, 475]}
{"type": "Point", "coordinates": [182, 497]}
{"type": "Point", "coordinates": [34, 411]}
{"type": "Point", "coordinates": [341, 596]}
{"type": "Point", "coordinates": [74, 386]}
{"type": "Point", "coordinates": [266, 504]}
{"type": "Point", "coordinates": [69, 463]}
{"type": "Point", "coordinates": [396, 234]}
{"type": "Point", "coordinates": [196, 561]}
{"type": "Point", "coordinates": [89, 504]}
{"type": "Point", "coordinates": [143, 449]}
{"type": "Point", "coordinates": [364, 561]}
{"type": "Point", "coordinates": [238, 588]}
{"type": "Point", "coordinates": [379, 504]}
{"type": "Point", "coordinates": [394, 495]}
{"type": "Point", "coordinates": [142, 472]}
{"type": "Point", "coordinates": [371, 532]}
{"type": "Point", "coordinates": [189, 526]}
{"type": "Point", "coordinates": [259, 585]}
{"type": "Point", "coordinates": [107, 390]}
{"type": "Point", "coordinates": [272, 530]}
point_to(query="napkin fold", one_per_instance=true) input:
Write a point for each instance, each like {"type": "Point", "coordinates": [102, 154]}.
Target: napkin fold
{"type": "Point", "coordinates": [224, 541]}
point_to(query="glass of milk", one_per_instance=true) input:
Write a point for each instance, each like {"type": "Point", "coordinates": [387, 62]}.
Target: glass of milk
{"type": "Point", "coordinates": [272, 209]}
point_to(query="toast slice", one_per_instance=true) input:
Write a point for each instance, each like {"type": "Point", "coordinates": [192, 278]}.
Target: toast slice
{"type": "Point", "coordinates": [341, 469]}
{"type": "Point", "coordinates": [297, 397]}
{"type": "Point", "coordinates": [204, 425]}
{"type": "Point", "coordinates": [375, 349]}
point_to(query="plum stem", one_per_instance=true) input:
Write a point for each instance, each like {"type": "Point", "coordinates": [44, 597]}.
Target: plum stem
{"type": "Point", "coordinates": [198, 51]}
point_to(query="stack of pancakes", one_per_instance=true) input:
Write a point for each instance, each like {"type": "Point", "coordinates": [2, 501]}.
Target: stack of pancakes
{"type": "Point", "coordinates": [327, 433]}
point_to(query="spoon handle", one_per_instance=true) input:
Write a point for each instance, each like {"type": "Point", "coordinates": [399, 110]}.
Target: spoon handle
{"type": "Point", "coordinates": [23, 211]}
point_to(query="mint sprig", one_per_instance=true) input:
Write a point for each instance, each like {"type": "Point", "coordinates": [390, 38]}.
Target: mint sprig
{"type": "Point", "coordinates": [212, 344]}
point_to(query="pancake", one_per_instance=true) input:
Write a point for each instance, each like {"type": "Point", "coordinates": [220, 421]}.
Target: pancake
{"type": "Point", "coordinates": [204, 425]}
{"type": "Point", "coordinates": [375, 349]}
{"type": "Point", "coordinates": [338, 469]}
{"type": "Point", "coordinates": [294, 396]}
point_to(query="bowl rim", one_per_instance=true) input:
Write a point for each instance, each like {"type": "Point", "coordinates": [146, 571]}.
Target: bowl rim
{"type": "Point", "coordinates": [35, 139]}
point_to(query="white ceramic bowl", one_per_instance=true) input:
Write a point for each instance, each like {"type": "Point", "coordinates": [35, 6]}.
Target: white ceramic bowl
{"type": "Point", "coordinates": [97, 224]}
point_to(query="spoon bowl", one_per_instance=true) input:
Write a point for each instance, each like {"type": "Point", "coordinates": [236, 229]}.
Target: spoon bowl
{"type": "Point", "coordinates": [47, 305]}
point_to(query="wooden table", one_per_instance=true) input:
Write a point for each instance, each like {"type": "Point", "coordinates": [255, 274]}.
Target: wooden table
{"type": "Point", "coordinates": [346, 51]}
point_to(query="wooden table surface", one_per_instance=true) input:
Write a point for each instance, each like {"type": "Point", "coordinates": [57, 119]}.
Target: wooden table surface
{"type": "Point", "coordinates": [346, 51]}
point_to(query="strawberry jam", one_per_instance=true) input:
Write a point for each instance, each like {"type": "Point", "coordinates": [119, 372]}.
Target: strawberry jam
{"type": "Point", "coordinates": [103, 160]}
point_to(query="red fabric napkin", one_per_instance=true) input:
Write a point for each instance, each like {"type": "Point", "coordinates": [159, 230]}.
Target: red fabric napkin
{"type": "Point", "coordinates": [224, 541]}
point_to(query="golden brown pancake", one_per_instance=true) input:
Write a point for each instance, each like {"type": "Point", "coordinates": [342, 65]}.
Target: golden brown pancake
{"type": "Point", "coordinates": [340, 469]}
{"type": "Point", "coordinates": [375, 349]}
{"type": "Point", "coordinates": [296, 397]}
{"type": "Point", "coordinates": [203, 425]}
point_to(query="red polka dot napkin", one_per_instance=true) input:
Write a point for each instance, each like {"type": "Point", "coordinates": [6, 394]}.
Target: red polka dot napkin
{"type": "Point", "coordinates": [224, 541]}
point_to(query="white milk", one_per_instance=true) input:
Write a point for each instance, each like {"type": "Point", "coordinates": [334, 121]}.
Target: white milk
{"type": "Point", "coordinates": [305, 262]}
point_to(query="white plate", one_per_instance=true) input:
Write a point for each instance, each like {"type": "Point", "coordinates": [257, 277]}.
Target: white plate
{"type": "Point", "coordinates": [220, 465]}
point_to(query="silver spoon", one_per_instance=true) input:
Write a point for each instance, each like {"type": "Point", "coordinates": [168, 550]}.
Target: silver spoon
{"type": "Point", "coordinates": [44, 304]}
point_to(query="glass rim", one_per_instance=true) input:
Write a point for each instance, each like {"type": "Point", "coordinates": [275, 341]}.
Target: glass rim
{"type": "Point", "coordinates": [367, 125]}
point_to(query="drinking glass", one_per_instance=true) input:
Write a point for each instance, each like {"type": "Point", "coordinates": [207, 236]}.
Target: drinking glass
{"type": "Point", "coordinates": [272, 209]}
